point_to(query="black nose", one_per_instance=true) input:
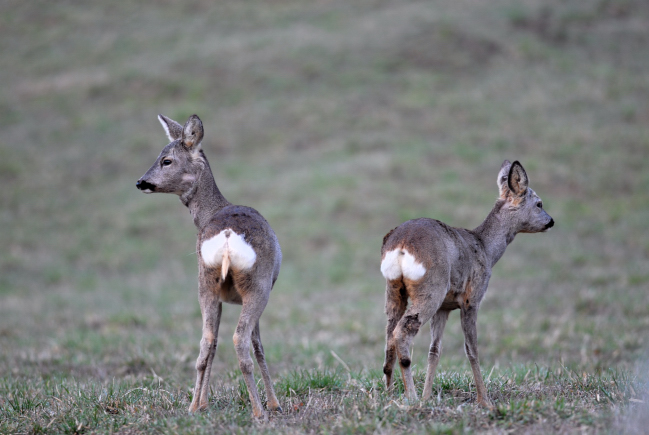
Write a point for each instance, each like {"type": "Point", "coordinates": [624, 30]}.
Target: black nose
{"type": "Point", "coordinates": [145, 185]}
{"type": "Point", "coordinates": [549, 224]}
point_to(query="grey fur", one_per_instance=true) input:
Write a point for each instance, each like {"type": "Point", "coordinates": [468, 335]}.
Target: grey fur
{"type": "Point", "coordinates": [182, 169]}
{"type": "Point", "coordinates": [458, 264]}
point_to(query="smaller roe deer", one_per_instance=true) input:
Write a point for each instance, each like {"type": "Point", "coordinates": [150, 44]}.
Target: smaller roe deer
{"type": "Point", "coordinates": [441, 268]}
{"type": "Point", "coordinates": [238, 256]}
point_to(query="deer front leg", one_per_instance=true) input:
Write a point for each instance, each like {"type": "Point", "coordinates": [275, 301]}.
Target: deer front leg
{"type": "Point", "coordinates": [395, 305]}
{"type": "Point", "coordinates": [469, 315]}
{"type": "Point", "coordinates": [211, 310]}
{"type": "Point", "coordinates": [437, 325]}
{"type": "Point", "coordinates": [273, 403]}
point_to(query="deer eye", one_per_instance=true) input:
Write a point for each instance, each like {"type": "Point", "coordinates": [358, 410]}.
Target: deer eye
{"type": "Point", "coordinates": [539, 204]}
{"type": "Point", "coordinates": [166, 162]}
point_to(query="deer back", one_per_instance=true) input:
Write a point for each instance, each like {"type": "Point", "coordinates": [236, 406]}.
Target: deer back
{"type": "Point", "coordinates": [430, 245]}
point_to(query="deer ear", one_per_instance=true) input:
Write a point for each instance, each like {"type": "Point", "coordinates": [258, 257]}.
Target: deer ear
{"type": "Point", "coordinates": [172, 128]}
{"type": "Point", "coordinates": [517, 179]}
{"type": "Point", "coordinates": [503, 176]}
{"type": "Point", "coordinates": [192, 133]}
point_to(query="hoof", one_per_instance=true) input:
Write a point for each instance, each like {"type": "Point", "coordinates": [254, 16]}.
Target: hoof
{"type": "Point", "coordinates": [260, 415]}
{"type": "Point", "coordinates": [486, 403]}
{"type": "Point", "coordinates": [411, 400]}
{"type": "Point", "coordinates": [412, 397]}
{"type": "Point", "coordinates": [273, 405]}
{"type": "Point", "coordinates": [195, 407]}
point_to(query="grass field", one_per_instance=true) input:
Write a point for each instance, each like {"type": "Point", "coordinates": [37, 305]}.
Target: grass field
{"type": "Point", "coordinates": [337, 120]}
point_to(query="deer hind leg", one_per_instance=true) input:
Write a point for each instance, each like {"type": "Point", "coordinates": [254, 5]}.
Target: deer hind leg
{"type": "Point", "coordinates": [469, 316]}
{"type": "Point", "coordinates": [258, 348]}
{"type": "Point", "coordinates": [396, 301]}
{"type": "Point", "coordinates": [250, 313]}
{"type": "Point", "coordinates": [426, 297]}
{"type": "Point", "coordinates": [437, 324]}
{"type": "Point", "coordinates": [211, 308]}
{"type": "Point", "coordinates": [404, 332]}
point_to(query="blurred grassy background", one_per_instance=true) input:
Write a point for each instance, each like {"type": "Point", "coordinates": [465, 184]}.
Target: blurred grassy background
{"type": "Point", "coordinates": [337, 120]}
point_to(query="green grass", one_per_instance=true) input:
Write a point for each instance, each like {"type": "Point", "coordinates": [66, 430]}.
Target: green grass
{"type": "Point", "coordinates": [330, 401]}
{"type": "Point", "coordinates": [337, 121]}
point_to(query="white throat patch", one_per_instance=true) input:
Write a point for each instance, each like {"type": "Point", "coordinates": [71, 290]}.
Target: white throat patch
{"type": "Point", "coordinates": [398, 263]}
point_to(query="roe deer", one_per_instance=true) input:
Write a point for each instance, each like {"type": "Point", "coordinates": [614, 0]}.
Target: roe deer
{"type": "Point", "coordinates": [441, 268]}
{"type": "Point", "coordinates": [238, 256]}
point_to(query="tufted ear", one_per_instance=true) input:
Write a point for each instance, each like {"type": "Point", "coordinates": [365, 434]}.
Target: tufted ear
{"type": "Point", "coordinates": [517, 179]}
{"type": "Point", "coordinates": [503, 176]}
{"type": "Point", "coordinates": [192, 133]}
{"type": "Point", "coordinates": [172, 128]}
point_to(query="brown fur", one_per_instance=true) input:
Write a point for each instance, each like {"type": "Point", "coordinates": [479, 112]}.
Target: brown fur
{"type": "Point", "coordinates": [183, 169]}
{"type": "Point", "coordinates": [458, 265]}
{"type": "Point", "coordinates": [388, 235]}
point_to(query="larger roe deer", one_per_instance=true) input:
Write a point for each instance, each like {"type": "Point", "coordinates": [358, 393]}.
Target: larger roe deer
{"type": "Point", "coordinates": [441, 268]}
{"type": "Point", "coordinates": [238, 256]}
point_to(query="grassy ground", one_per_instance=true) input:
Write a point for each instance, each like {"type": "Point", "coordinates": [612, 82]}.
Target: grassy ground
{"type": "Point", "coordinates": [336, 120]}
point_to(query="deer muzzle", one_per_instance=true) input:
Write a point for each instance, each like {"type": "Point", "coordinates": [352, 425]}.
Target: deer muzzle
{"type": "Point", "coordinates": [145, 186]}
{"type": "Point", "coordinates": [549, 225]}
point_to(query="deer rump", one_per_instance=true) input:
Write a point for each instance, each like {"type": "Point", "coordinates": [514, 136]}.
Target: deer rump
{"type": "Point", "coordinates": [228, 249]}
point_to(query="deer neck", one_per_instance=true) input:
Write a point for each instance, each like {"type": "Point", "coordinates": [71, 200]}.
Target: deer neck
{"type": "Point", "coordinates": [495, 233]}
{"type": "Point", "coordinates": [203, 198]}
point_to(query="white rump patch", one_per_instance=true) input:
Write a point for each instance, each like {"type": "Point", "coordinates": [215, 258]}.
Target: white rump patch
{"type": "Point", "coordinates": [411, 268]}
{"type": "Point", "coordinates": [390, 266]}
{"type": "Point", "coordinates": [229, 243]}
{"type": "Point", "coordinates": [400, 262]}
